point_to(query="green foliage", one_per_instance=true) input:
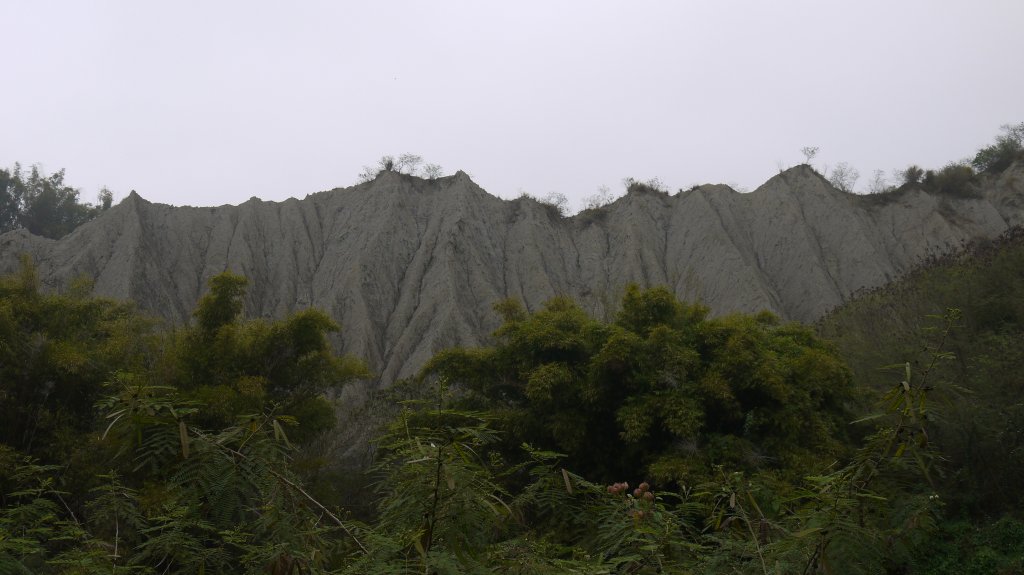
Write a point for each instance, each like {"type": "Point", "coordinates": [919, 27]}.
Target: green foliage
{"type": "Point", "coordinates": [439, 505]}
{"type": "Point", "coordinates": [445, 508]}
{"type": "Point", "coordinates": [56, 351]}
{"type": "Point", "coordinates": [1008, 148]}
{"type": "Point", "coordinates": [222, 305]}
{"type": "Point", "coordinates": [954, 179]}
{"type": "Point", "coordinates": [211, 500]}
{"type": "Point", "coordinates": [239, 367]}
{"type": "Point", "coordinates": [12, 192]}
{"type": "Point", "coordinates": [43, 204]}
{"type": "Point", "coordinates": [191, 453]}
{"type": "Point", "coordinates": [958, 179]}
{"type": "Point", "coordinates": [979, 417]}
{"type": "Point", "coordinates": [913, 174]}
{"type": "Point", "coordinates": [970, 549]}
{"type": "Point", "coordinates": [189, 463]}
{"type": "Point", "coordinates": [870, 515]}
{"type": "Point", "coordinates": [663, 390]}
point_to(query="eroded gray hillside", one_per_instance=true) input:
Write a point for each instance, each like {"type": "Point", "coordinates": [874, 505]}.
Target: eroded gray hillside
{"type": "Point", "coordinates": [410, 266]}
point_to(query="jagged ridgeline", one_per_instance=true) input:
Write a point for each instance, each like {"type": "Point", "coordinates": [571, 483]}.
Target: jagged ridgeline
{"type": "Point", "coordinates": [411, 265]}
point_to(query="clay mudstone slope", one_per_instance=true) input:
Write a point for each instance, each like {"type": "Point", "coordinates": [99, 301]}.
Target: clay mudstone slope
{"type": "Point", "coordinates": [410, 266]}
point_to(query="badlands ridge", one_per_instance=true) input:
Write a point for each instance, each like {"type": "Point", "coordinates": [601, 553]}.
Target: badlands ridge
{"type": "Point", "coordinates": [409, 266]}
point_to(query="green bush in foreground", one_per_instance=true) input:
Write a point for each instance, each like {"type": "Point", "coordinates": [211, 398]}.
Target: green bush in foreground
{"type": "Point", "coordinates": [163, 479]}
{"type": "Point", "coordinates": [663, 391]}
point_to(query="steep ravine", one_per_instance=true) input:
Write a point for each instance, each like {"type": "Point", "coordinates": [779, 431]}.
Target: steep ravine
{"type": "Point", "coordinates": [410, 266]}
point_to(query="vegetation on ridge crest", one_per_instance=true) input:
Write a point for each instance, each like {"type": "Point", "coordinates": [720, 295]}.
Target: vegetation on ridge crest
{"type": "Point", "coordinates": [663, 441]}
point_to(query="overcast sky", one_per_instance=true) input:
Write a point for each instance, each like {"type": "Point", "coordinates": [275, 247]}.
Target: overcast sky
{"type": "Point", "coordinates": [206, 103]}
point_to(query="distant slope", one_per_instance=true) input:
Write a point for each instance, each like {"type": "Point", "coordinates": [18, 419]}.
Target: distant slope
{"type": "Point", "coordinates": [410, 265]}
{"type": "Point", "coordinates": [977, 403]}
{"type": "Point", "coordinates": [888, 324]}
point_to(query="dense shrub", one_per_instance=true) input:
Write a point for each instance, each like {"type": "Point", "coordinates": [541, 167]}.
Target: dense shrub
{"type": "Point", "coordinates": [1008, 148]}
{"type": "Point", "coordinates": [954, 179]}
{"type": "Point", "coordinates": [652, 185]}
{"type": "Point", "coordinates": [978, 421]}
{"type": "Point", "coordinates": [665, 389]}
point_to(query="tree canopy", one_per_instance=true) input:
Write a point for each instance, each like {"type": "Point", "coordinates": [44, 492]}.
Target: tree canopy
{"type": "Point", "coordinates": [44, 205]}
{"type": "Point", "coordinates": [662, 441]}
{"type": "Point", "coordinates": [663, 391]}
{"type": "Point", "coordinates": [1007, 148]}
{"type": "Point", "coordinates": [177, 447]}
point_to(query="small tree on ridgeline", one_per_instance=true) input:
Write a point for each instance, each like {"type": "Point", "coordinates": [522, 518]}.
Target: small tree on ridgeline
{"type": "Point", "coordinates": [844, 177]}
{"type": "Point", "coordinates": [558, 201]}
{"type": "Point", "coordinates": [809, 152]}
{"type": "Point", "coordinates": [879, 184]}
{"type": "Point", "coordinates": [912, 174]}
{"type": "Point", "coordinates": [408, 164]}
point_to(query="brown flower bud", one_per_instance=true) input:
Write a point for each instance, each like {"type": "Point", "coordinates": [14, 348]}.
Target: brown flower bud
{"type": "Point", "coordinates": [645, 486]}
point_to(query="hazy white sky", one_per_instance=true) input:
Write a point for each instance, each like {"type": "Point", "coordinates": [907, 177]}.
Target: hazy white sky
{"type": "Point", "coordinates": [206, 103]}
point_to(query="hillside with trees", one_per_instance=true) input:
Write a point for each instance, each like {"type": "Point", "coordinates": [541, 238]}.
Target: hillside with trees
{"type": "Point", "coordinates": [660, 441]}
{"type": "Point", "coordinates": [413, 265]}
{"type": "Point", "coordinates": [976, 417]}
{"type": "Point", "coordinates": [644, 435]}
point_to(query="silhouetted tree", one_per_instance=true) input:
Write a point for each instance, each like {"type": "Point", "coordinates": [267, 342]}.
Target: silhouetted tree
{"type": "Point", "coordinates": [879, 184]}
{"type": "Point", "coordinates": [809, 152]}
{"type": "Point", "coordinates": [432, 171]}
{"type": "Point", "coordinates": [912, 174]}
{"type": "Point", "coordinates": [558, 201]}
{"type": "Point", "coordinates": [844, 176]}
{"type": "Point", "coordinates": [602, 198]}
